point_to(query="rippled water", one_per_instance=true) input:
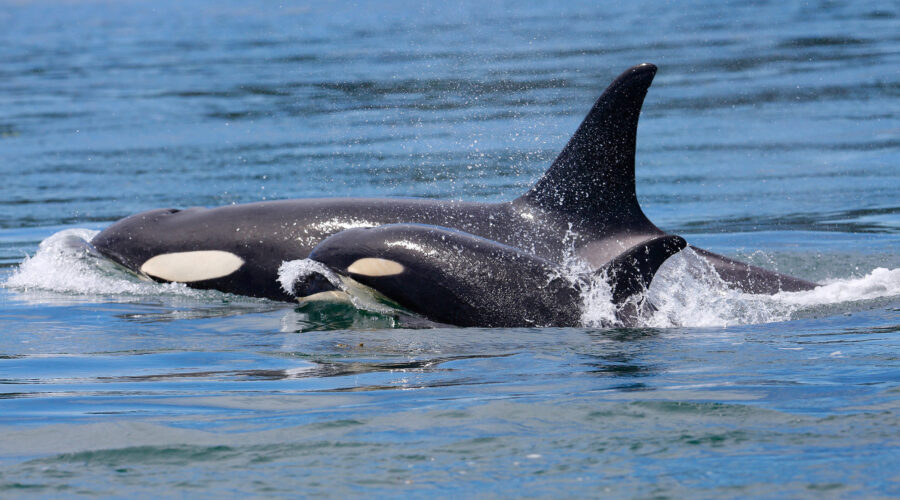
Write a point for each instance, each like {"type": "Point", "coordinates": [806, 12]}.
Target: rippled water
{"type": "Point", "coordinates": [770, 134]}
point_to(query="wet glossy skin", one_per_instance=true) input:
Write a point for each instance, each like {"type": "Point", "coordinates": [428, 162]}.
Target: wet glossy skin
{"type": "Point", "coordinates": [266, 234]}
{"type": "Point", "coordinates": [585, 203]}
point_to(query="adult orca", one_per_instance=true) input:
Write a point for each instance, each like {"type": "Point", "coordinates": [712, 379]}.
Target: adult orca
{"type": "Point", "coordinates": [585, 202]}
{"type": "Point", "coordinates": [457, 278]}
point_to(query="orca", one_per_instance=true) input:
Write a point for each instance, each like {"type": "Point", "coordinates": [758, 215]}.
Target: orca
{"type": "Point", "coordinates": [457, 278]}
{"type": "Point", "coordinates": [584, 203]}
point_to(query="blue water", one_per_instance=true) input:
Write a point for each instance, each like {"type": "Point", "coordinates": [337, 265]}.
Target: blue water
{"type": "Point", "coordinates": [770, 134]}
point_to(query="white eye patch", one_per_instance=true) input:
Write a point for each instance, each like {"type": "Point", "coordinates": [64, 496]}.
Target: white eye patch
{"type": "Point", "coordinates": [185, 267]}
{"type": "Point", "coordinates": [371, 266]}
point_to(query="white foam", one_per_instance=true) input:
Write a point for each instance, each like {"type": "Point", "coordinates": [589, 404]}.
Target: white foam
{"type": "Point", "coordinates": [686, 291]}
{"type": "Point", "coordinates": [65, 263]}
{"type": "Point", "coordinates": [879, 283]}
{"type": "Point", "coordinates": [596, 293]}
{"type": "Point", "coordinates": [362, 297]}
{"type": "Point", "coordinates": [293, 270]}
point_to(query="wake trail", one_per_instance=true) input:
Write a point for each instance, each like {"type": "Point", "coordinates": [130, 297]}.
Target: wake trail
{"type": "Point", "coordinates": [686, 292]}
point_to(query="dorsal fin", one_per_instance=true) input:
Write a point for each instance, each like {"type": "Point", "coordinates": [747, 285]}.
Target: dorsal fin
{"type": "Point", "coordinates": [593, 176]}
{"type": "Point", "coordinates": [631, 272]}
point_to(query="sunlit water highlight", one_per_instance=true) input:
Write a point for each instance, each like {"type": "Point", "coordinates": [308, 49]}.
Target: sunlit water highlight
{"type": "Point", "coordinates": [769, 134]}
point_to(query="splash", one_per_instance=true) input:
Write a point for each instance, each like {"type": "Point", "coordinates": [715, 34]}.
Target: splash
{"type": "Point", "coordinates": [293, 271]}
{"type": "Point", "coordinates": [596, 292]}
{"type": "Point", "coordinates": [66, 263]}
{"type": "Point", "coordinates": [879, 283]}
{"type": "Point", "coordinates": [687, 292]}
{"type": "Point", "coordinates": [362, 297]}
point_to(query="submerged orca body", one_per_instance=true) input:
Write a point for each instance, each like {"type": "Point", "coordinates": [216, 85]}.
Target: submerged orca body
{"type": "Point", "coordinates": [585, 202]}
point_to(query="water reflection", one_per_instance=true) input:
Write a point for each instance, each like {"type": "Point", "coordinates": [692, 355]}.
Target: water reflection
{"type": "Point", "coordinates": [164, 313]}
{"type": "Point", "coordinates": [624, 353]}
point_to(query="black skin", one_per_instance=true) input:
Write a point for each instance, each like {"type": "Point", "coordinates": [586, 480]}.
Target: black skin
{"type": "Point", "coordinates": [586, 201]}
{"type": "Point", "coordinates": [267, 234]}
{"type": "Point", "coordinates": [454, 277]}
{"type": "Point", "coordinates": [457, 278]}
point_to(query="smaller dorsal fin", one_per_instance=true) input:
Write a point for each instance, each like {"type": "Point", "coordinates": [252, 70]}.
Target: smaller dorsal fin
{"type": "Point", "coordinates": [593, 176]}
{"type": "Point", "coordinates": [632, 271]}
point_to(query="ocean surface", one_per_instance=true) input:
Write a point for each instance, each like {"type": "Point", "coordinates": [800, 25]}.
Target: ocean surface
{"type": "Point", "coordinates": [771, 134]}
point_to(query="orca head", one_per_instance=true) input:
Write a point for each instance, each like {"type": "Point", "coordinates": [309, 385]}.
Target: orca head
{"type": "Point", "coordinates": [363, 254]}
{"type": "Point", "coordinates": [159, 244]}
{"type": "Point", "coordinates": [453, 277]}
{"type": "Point", "coordinates": [135, 239]}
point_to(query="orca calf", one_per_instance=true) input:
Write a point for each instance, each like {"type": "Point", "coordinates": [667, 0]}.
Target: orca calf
{"type": "Point", "coordinates": [585, 201]}
{"type": "Point", "coordinates": [458, 278]}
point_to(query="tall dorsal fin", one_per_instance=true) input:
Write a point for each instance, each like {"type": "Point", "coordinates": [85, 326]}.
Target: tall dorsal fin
{"type": "Point", "coordinates": [593, 176]}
